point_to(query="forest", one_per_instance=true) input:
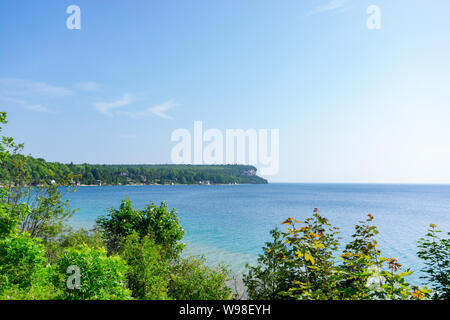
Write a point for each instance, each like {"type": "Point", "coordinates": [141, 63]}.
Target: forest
{"type": "Point", "coordinates": [41, 172]}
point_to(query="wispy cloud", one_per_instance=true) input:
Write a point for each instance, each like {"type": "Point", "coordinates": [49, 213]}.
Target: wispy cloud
{"type": "Point", "coordinates": [161, 109]}
{"type": "Point", "coordinates": [22, 87]}
{"type": "Point", "coordinates": [87, 86]}
{"type": "Point", "coordinates": [107, 107]}
{"type": "Point", "coordinates": [19, 92]}
{"type": "Point", "coordinates": [330, 6]}
{"type": "Point", "coordinates": [25, 104]}
{"type": "Point", "coordinates": [35, 95]}
{"type": "Point", "coordinates": [36, 107]}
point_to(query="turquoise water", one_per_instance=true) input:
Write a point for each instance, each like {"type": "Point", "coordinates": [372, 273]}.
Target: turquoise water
{"type": "Point", "coordinates": [230, 223]}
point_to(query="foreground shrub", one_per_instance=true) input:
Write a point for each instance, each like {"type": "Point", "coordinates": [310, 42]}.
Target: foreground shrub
{"type": "Point", "coordinates": [191, 279]}
{"type": "Point", "coordinates": [309, 255]}
{"type": "Point", "coordinates": [366, 274]}
{"type": "Point", "coordinates": [148, 273]}
{"type": "Point", "coordinates": [163, 225]}
{"type": "Point", "coordinates": [10, 217]}
{"type": "Point", "coordinates": [73, 239]}
{"type": "Point", "coordinates": [41, 288]}
{"type": "Point", "coordinates": [81, 237]}
{"type": "Point", "coordinates": [435, 251]}
{"type": "Point", "coordinates": [271, 276]}
{"type": "Point", "coordinates": [22, 260]}
{"type": "Point", "coordinates": [101, 277]}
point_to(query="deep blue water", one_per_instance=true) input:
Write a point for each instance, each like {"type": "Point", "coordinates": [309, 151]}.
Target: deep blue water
{"type": "Point", "coordinates": [231, 223]}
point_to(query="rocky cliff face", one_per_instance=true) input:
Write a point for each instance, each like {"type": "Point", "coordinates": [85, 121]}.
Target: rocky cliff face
{"type": "Point", "coordinates": [249, 173]}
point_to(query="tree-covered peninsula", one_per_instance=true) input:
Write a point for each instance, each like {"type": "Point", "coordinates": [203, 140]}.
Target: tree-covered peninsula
{"type": "Point", "coordinates": [41, 171]}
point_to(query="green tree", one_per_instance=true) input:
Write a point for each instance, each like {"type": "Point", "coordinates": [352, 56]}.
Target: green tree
{"type": "Point", "coordinates": [435, 252]}
{"type": "Point", "coordinates": [73, 239]}
{"type": "Point", "coordinates": [362, 273]}
{"type": "Point", "coordinates": [10, 218]}
{"type": "Point", "coordinates": [271, 276]}
{"type": "Point", "coordinates": [22, 259]}
{"type": "Point", "coordinates": [48, 214]}
{"type": "Point", "coordinates": [7, 144]}
{"type": "Point", "coordinates": [308, 254]}
{"type": "Point", "coordinates": [163, 226]}
{"type": "Point", "coordinates": [101, 277]}
{"type": "Point", "coordinates": [148, 272]}
{"type": "Point", "coordinates": [191, 279]}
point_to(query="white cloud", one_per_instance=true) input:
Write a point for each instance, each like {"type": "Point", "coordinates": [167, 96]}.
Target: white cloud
{"type": "Point", "coordinates": [20, 91]}
{"type": "Point", "coordinates": [87, 86]}
{"type": "Point", "coordinates": [158, 110]}
{"type": "Point", "coordinates": [36, 107]}
{"type": "Point", "coordinates": [161, 109]}
{"type": "Point", "coordinates": [107, 107]}
{"type": "Point", "coordinates": [330, 6]}
{"type": "Point", "coordinates": [28, 88]}
{"type": "Point", "coordinates": [25, 104]}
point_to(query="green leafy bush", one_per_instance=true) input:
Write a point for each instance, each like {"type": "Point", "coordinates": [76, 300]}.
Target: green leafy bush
{"type": "Point", "coordinates": [41, 288]}
{"type": "Point", "coordinates": [271, 276]}
{"type": "Point", "coordinates": [81, 237]}
{"type": "Point", "coordinates": [73, 239]}
{"type": "Point", "coordinates": [22, 259]}
{"type": "Point", "coordinates": [309, 255]}
{"type": "Point", "coordinates": [48, 212]}
{"type": "Point", "coordinates": [101, 277]}
{"type": "Point", "coordinates": [191, 279]}
{"type": "Point", "coordinates": [363, 275]}
{"type": "Point", "coordinates": [148, 273]}
{"type": "Point", "coordinates": [435, 251]}
{"type": "Point", "coordinates": [10, 218]}
{"type": "Point", "coordinates": [163, 226]}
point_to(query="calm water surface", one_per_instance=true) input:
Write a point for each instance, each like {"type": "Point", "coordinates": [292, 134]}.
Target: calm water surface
{"type": "Point", "coordinates": [230, 223]}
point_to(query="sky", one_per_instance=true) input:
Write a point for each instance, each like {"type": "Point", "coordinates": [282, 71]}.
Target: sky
{"type": "Point", "coordinates": [351, 104]}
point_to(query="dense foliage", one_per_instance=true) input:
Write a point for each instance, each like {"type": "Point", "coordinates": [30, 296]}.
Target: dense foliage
{"type": "Point", "coordinates": [304, 263]}
{"type": "Point", "coordinates": [22, 259]}
{"type": "Point", "coordinates": [191, 279]}
{"type": "Point", "coordinates": [101, 276]}
{"type": "Point", "coordinates": [271, 275]}
{"type": "Point", "coordinates": [163, 225]}
{"type": "Point", "coordinates": [41, 171]}
{"type": "Point", "coordinates": [148, 270]}
{"type": "Point", "coordinates": [435, 251]}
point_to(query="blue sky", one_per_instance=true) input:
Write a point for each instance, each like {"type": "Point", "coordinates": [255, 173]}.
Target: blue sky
{"type": "Point", "coordinates": [351, 104]}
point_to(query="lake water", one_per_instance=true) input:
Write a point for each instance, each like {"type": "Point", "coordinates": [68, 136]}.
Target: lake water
{"type": "Point", "coordinates": [230, 223]}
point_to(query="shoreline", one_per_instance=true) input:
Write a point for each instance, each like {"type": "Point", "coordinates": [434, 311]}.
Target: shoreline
{"type": "Point", "coordinates": [148, 185]}
{"type": "Point", "coordinates": [158, 184]}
